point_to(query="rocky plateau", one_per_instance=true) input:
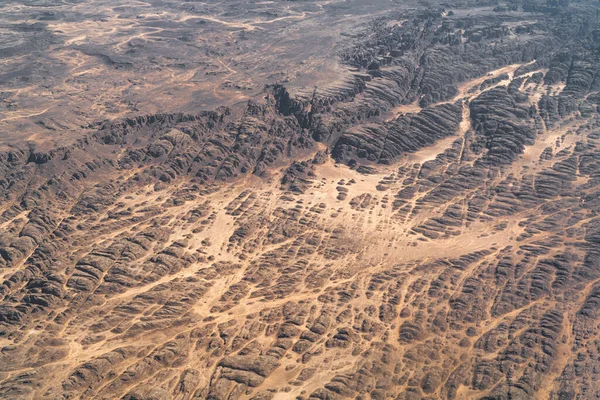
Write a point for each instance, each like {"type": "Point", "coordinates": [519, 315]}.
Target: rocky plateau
{"type": "Point", "coordinates": [269, 200]}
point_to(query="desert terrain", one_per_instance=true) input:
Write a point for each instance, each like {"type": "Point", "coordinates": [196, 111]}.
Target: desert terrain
{"type": "Point", "coordinates": [304, 200]}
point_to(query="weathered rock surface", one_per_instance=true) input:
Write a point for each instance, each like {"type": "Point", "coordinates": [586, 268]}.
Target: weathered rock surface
{"type": "Point", "coordinates": [428, 226]}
